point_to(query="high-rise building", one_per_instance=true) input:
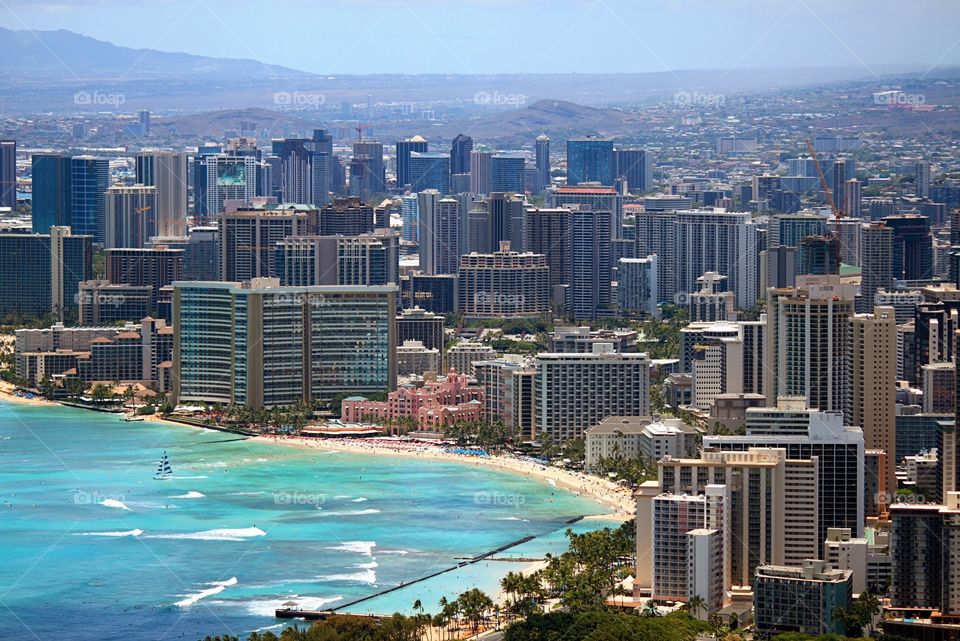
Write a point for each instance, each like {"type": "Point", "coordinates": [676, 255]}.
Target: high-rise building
{"type": "Point", "coordinates": [305, 261]}
{"type": "Point", "coordinates": [51, 199]}
{"type": "Point", "coordinates": [344, 217]}
{"type": "Point", "coordinates": [876, 264]}
{"type": "Point", "coordinates": [406, 147]}
{"type": "Point", "coordinates": [371, 175]}
{"type": "Point", "coordinates": [922, 189]}
{"type": "Point", "coordinates": [807, 345]}
{"type": "Point", "coordinates": [789, 229]}
{"type": "Point", "coordinates": [143, 120]}
{"type": "Point", "coordinates": [590, 160]}
{"type": "Point", "coordinates": [711, 302]}
{"type": "Point", "coordinates": [504, 284]}
{"type": "Point", "coordinates": [634, 165]}
{"type": "Point", "coordinates": [606, 199]}
{"type": "Point", "coordinates": [819, 255]}
{"type": "Point", "coordinates": [428, 201]}
{"type": "Point", "coordinates": [248, 238]}
{"type": "Point", "coordinates": [576, 391]}
{"type": "Point", "coordinates": [874, 368]}
{"type": "Point", "coordinates": [852, 198]}
{"type": "Point", "coordinates": [430, 171]}
{"type": "Point", "coordinates": [168, 173]}
{"type": "Point", "coordinates": [417, 324]}
{"type": "Point", "coordinates": [222, 177]}
{"type": "Point", "coordinates": [131, 216]}
{"type": "Point", "coordinates": [506, 173]}
{"type": "Point", "coordinates": [154, 267]}
{"type": "Point", "coordinates": [547, 232]}
{"type": "Point", "coordinates": [262, 345]}
{"type": "Point", "coordinates": [841, 171]}
{"type": "Point", "coordinates": [808, 434]}
{"type": "Point", "coordinates": [716, 241]}
{"type": "Point", "coordinates": [295, 178]}
{"type": "Point", "coordinates": [504, 221]}
{"type": "Point", "coordinates": [637, 286]}
{"type": "Point", "coordinates": [588, 292]}
{"type": "Point", "coordinates": [410, 215]}
{"type": "Point", "coordinates": [89, 180]}
{"type": "Point", "coordinates": [542, 157]}
{"type": "Point", "coordinates": [460, 152]}
{"type": "Point", "coordinates": [41, 273]}
{"type": "Point", "coordinates": [8, 173]}
{"type": "Point", "coordinates": [925, 545]}
{"type": "Point", "coordinates": [480, 172]}
{"type": "Point", "coordinates": [446, 236]}
{"type": "Point", "coordinates": [803, 600]}
{"type": "Point", "coordinates": [912, 246]}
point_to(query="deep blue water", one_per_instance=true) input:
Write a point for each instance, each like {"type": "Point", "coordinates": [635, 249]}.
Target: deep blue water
{"type": "Point", "coordinates": [92, 547]}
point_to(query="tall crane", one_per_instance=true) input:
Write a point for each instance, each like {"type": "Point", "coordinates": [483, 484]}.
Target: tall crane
{"type": "Point", "coordinates": [828, 193]}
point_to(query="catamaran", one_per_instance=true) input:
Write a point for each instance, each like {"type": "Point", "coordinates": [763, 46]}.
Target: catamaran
{"type": "Point", "coordinates": [164, 471]}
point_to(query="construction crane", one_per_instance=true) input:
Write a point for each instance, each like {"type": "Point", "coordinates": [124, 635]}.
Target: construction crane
{"type": "Point", "coordinates": [828, 193]}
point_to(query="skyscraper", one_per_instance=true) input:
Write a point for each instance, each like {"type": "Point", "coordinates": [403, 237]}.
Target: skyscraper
{"type": "Point", "coordinates": [427, 203]}
{"type": "Point", "coordinates": [589, 160]}
{"type": "Point", "coordinates": [840, 173]}
{"type": "Point", "coordinates": [588, 293]}
{"type": "Point", "coordinates": [874, 403]}
{"type": "Point", "coordinates": [89, 180]}
{"type": "Point", "coordinates": [460, 151]}
{"type": "Point", "coordinates": [248, 238]}
{"type": "Point", "coordinates": [430, 171]}
{"type": "Point", "coordinates": [410, 214]}
{"type": "Point", "coordinates": [923, 179]}
{"type": "Point", "coordinates": [168, 173]}
{"type": "Point", "coordinates": [542, 157]}
{"type": "Point", "coordinates": [852, 198]}
{"type": "Point", "coordinates": [506, 172]}
{"type": "Point", "coordinates": [480, 176]}
{"type": "Point", "coordinates": [446, 237]}
{"type": "Point", "coordinates": [221, 177]}
{"type": "Point", "coordinates": [51, 192]}
{"type": "Point", "coordinates": [296, 177]}
{"type": "Point", "coordinates": [912, 246]}
{"type": "Point", "coordinates": [8, 173]}
{"type": "Point", "coordinates": [406, 147]}
{"type": "Point", "coordinates": [368, 169]}
{"type": "Point", "coordinates": [131, 216]}
{"type": "Point", "coordinates": [876, 264]}
{"type": "Point", "coordinates": [634, 165]}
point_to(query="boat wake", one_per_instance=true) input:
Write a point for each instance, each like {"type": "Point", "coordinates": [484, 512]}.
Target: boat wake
{"type": "Point", "coordinates": [136, 532]}
{"type": "Point", "coordinates": [189, 495]}
{"type": "Point", "coordinates": [353, 513]}
{"type": "Point", "coordinates": [218, 587]}
{"type": "Point", "coordinates": [114, 503]}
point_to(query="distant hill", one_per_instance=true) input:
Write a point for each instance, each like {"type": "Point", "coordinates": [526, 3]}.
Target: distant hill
{"type": "Point", "coordinates": [67, 53]}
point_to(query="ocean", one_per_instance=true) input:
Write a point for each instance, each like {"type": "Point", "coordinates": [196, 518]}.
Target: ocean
{"type": "Point", "coordinates": [92, 547]}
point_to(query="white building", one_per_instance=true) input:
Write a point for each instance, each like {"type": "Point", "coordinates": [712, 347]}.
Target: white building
{"type": "Point", "coordinates": [631, 437]}
{"type": "Point", "coordinates": [637, 291]}
{"type": "Point", "coordinates": [463, 355]}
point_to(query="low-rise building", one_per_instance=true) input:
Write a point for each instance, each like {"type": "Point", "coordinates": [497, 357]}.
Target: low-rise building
{"type": "Point", "coordinates": [633, 437]}
{"type": "Point", "coordinates": [801, 599]}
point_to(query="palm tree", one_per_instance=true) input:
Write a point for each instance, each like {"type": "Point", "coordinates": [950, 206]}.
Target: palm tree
{"type": "Point", "coordinates": [696, 604]}
{"type": "Point", "coordinates": [650, 609]}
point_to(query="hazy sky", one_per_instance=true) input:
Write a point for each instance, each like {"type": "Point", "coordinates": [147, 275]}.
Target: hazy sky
{"type": "Point", "coordinates": [519, 36]}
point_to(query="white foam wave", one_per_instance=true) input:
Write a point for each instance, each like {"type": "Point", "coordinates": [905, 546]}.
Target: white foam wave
{"type": "Point", "coordinates": [342, 496]}
{"type": "Point", "coordinates": [368, 576]}
{"type": "Point", "coordinates": [185, 478]}
{"type": "Point", "coordinates": [244, 493]}
{"type": "Point", "coordinates": [268, 607]}
{"type": "Point", "coordinates": [218, 587]}
{"type": "Point", "coordinates": [136, 532]}
{"type": "Point", "coordinates": [115, 504]}
{"type": "Point", "coordinates": [189, 495]}
{"type": "Point", "coordinates": [359, 499]}
{"type": "Point", "coordinates": [393, 552]}
{"type": "Point", "coordinates": [367, 566]}
{"type": "Point", "coordinates": [353, 513]}
{"type": "Point", "coordinates": [361, 547]}
{"type": "Point", "coordinates": [508, 518]}
{"type": "Point", "coordinates": [225, 534]}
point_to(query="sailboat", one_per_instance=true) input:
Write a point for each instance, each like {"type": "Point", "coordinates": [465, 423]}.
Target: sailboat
{"type": "Point", "coordinates": [164, 471]}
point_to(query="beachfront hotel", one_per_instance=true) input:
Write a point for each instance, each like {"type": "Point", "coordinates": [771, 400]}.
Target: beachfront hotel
{"type": "Point", "coordinates": [263, 345]}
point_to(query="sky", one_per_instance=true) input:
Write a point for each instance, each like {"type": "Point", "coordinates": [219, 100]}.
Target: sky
{"type": "Point", "coordinates": [520, 36]}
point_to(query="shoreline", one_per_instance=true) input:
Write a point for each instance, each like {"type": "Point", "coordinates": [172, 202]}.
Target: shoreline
{"type": "Point", "coordinates": [607, 494]}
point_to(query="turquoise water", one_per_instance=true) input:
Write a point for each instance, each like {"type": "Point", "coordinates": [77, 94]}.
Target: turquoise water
{"type": "Point", "coordinates": [93, 547]}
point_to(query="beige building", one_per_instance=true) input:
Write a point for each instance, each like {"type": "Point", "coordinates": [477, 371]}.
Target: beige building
{"type": "Point", "coordinates": [873, 395]}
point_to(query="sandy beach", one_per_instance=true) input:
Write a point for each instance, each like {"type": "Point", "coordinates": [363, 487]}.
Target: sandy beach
{"type": "Point", "coordinates": [608, 494]}
{"type": "Point", "coordinates": [7, 393]}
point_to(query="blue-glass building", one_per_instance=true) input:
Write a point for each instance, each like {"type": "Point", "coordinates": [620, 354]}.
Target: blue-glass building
{"type": "Point", "coordinates": [430, 171]}
{"type": "Point", "coordinates": [506, 173]}
{"type": "Point", "coordinates": [89, 180]}
{"type": "Point", "coordinates": [51, 191]}
{"type": "Point", "coordinates": [589, 160]}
